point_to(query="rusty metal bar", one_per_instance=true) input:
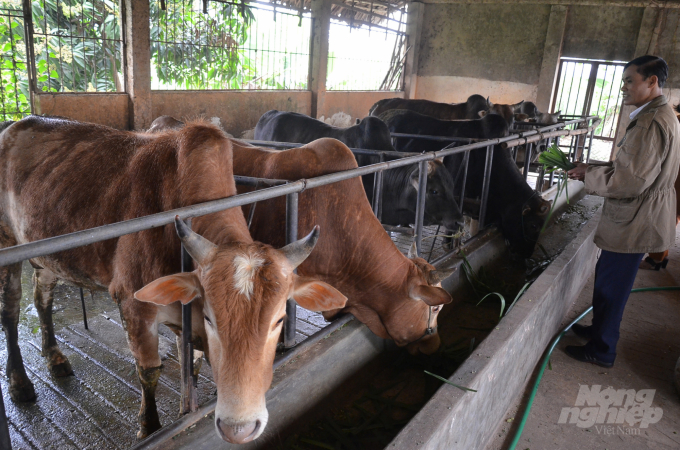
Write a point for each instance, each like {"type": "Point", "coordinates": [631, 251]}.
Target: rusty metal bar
{"type": "Point", "coordinates": [189, 382]}
{"type": "Point", "coordinates": [485, 186]}
{"type": "Point", "coordinates": [292, 201]}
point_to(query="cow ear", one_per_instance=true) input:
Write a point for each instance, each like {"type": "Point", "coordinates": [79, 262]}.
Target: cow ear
{"type": "Point", "coordinates": [431, 295]}
{"type": "Point", "coordinates": [316, 295]}
{"type": "Point", "coordinates": [526, 210]}
{"type": "Point", "coordinates": [557, 114]}
{"type": "Point", "coordinates": [521, 117]}
{"type": "Point", "coordinates": [482, 113]}
{"type": "Point", "coordinates": [413, 178]}
{"type": "Point", "coordinates": [182, 287]}
{"type": "Point", "coordinates": [438, 275]}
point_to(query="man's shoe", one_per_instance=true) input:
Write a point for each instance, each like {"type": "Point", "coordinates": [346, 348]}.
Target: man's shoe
{"type": "Point", "coordinates": [582, 330]}
{"type": "Point", "coordinates": [580, 353]}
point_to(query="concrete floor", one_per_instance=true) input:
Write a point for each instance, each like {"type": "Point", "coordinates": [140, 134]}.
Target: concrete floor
{"type": "Point", "coordinates": [647, 353]}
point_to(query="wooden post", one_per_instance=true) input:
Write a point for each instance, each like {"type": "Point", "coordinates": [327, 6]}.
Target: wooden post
{"type": "Point", "coordinates": [138, 59]}
{"type": "Point", "coordinates": [552, 51]}
{"type": "Point", "coordinates": [318, 53]}
{"type": "Point", "coordinates": [414, 27]}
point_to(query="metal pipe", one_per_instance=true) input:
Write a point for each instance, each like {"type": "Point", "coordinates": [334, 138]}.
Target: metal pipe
{"type": "Point", "coordinates": [378, 191]}
{"type": "Point", "coordinates": [400, 230]}
{"type": "Point", "coordinates": [528, 149]}
{"type": "Point", "coordinates": [189, 381]}
{"type": "Point", "coordinates": [485, 186]}
{"type": "Point", "coordinates": [76, 239]}
{"type": "Point", "coordinates": [356, 151]}
{"type": "Point", "coordinates": [420, 205]}
{"type": "Point", "coordinates": [82, 304]}
{"type": "Point", "coordinates": [167, 432]}
{"type": "Point", "coordinates": [466, 163]}
{"type": "Point", "coordinates": [289, 328]}
{"type": "Point", "coordinates": [590, 145]}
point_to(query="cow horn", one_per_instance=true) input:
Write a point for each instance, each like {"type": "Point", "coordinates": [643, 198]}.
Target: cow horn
{"type": "Point", "coordinates": [413, 250]}
{"type": "Point", "coordinates": [437, 276]}
{"type": "Point", "coordinates": [196, 245]}
{"type": "Point", "coordinates": [296, 252]}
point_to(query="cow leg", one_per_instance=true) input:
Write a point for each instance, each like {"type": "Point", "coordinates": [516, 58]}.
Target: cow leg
{"type": "Point", "coordinates": [44, 282]}
{"type": "Point", "coordinates": [20, 387]}
{"type": "Point", "coordinates": [139, 320]}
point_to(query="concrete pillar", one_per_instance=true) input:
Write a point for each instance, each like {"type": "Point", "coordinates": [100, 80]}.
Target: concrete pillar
{"type": "Point", "coordinates": [646, 44]}
{"type": "Point", "coordinates": [414, 27]}
{"type": "Point", "coordinates": [552, 51]}
{"type": "Point", "coordinates": [318, 63]}
{"type": "Point", "coordinates": [138, 63]}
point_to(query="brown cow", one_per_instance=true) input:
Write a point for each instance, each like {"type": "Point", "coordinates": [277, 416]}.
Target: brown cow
{"type": "Point", "coordinates": [475, 107]}
{"type": "Point", "coordinates": [397, 297]}
{"type": "Point", "coordinates": [660, 260]}
{"type": "Point", "coordinates": [61, 176]}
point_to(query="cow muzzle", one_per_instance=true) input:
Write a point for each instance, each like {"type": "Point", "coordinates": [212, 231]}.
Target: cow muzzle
{"type": "Point", "coordinates": [239, 433]}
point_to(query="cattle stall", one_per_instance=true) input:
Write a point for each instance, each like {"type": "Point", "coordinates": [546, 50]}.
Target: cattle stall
{"type": "Point", "coordinates": [103, 322]}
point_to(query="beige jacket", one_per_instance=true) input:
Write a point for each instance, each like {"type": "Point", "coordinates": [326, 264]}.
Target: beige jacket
{"type": "Point", "coordinates": [639, 207]}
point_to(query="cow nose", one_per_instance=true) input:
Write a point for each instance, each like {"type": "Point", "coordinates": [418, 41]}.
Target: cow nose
{"type": "Point", "coordinates": [238, 433]}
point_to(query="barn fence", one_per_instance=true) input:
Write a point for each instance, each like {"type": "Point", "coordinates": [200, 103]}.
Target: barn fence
{"type": "Point", "coordinates": [580, 128]}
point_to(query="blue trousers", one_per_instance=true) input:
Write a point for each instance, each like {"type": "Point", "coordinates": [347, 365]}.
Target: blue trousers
{"type": "Point", "coordinates": [614, 278]}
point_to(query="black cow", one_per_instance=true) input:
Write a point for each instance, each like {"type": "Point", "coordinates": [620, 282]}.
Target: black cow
{"type": "Point", "coordinates": [490, 126]}
{"type": "Point", "coordinates": [512, 203]}
{"type": "Point", "coordinates": [474, 107]}
{"type": "Point", "coordinates": [527, 108]}
{"type": "Point", "coordinates": [399, 184]}
{"type": "Point", "coordinates": [370, 133]}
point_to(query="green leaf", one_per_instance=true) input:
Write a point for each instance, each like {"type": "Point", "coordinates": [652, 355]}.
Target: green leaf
{"type": "Point", "coordinates": [35, 330]}
{"type": "Point", "coordinates": [448, 382]}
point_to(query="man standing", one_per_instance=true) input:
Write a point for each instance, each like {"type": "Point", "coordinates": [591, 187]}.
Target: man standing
{"type": "Point", "coordinates": [638, 215]}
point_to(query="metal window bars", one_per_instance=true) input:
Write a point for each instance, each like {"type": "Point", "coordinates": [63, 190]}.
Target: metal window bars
{"type": "Point", "coordinates": [222, 44]}
{"type": "Point", "coordinates": [290, 189]}
{"type": "Point", "coordinates": [14, 73]}
{"type": "Point", "coordinates": [367, 46]}
{"type": "Point", "coordinates": [77, 45]}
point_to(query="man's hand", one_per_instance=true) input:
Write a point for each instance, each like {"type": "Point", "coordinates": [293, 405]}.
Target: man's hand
{"type": "Point", "coordinates": [578, 172]}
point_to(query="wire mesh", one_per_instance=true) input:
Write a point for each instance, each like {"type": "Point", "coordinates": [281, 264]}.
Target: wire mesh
{"type": "Point", "coordinates": [228, 45]}
{"type": "Point", "coordinates": [363, 56]}
{"type": "Point", "coordinates": [14, 81]}
{"type": "Point", "coordinates": [78, 46]}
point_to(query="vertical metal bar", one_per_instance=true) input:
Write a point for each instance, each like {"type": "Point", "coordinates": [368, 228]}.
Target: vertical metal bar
{"type": "Point", "coordinates": [377, 190]}
{"type": "Point", "coordinates": [189, 382]}
{"type": "Point", "coordinates": [291, 236]}
{"type": "Point", "coordinates": [485, 186]}
{"type": "Point", "coordinates": [590, 145]}
{"type": "Point", "coordinates": [5, 441]}
{"type": "Point", "coordinates": [82, 303]}
{"type": "Point", "coordinates": [434, 239]}
{"type": "Point", "coordinates": [420, 204]}
{"type": "Point", "coordinates": [528, 148]}
{"type": "Point", "coordinates": [466, 161]}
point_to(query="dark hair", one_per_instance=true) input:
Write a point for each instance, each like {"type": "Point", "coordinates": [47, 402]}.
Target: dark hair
{"type": "Point", "coordinates": [677, 108]}
{"type": "Point", "coordinates": [649, 65]}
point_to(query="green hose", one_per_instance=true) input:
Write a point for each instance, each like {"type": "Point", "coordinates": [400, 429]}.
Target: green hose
{"type": "Point", "coordinates": [546, 359]}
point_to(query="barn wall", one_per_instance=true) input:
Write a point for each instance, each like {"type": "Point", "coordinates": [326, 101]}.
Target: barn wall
{"type": "Point", "coordinates": [489, 49]}
{"type": "Point", "coordinates": [602, 32]}
{"type": "Point", "coordinates": [238, 110]}
{"type": "Point", "coordinates": [356, 104]}
{"type": "Point", "coordinates": [101, 108]}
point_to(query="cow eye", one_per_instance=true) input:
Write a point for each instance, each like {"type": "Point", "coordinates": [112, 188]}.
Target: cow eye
{"type": "Point", "coordinates": [434, 192]}
{"type": "Point", "coordinates": [207, 320]}
{"type": "Point", "coordinates": [435, 309]}
{"type": "Point", "coordinates": [280, 321]}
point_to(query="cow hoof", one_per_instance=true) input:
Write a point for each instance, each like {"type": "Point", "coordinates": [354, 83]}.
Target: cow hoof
{"type": "Point", "coordinates": [62, 369]}
{"type": "Point", "coordinates": [22, 392]}
{"type": "Point", "coordinates": [146, 430]}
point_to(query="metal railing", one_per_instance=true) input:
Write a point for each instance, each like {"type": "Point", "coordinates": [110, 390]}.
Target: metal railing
{"type": "Point", "coordinates": [290, 189]}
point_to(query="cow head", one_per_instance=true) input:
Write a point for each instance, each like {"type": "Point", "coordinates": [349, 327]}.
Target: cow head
{"type": "Point", "coordinates": [547, 118]}
{"type": "Point", "coordinates": [164, 123]}
{"type": "Point", "coordinates": [522, 224]}
{"type": "Point", "coordinates": [241, 290]}
{"type": "Point", "coordinates": [411, 319]}
{"type": "Point", "coordinates": [375, 135]}
{"type": "Point", "coordinates": [441, 207]}
{"type": "Point", "coordinates": [505, 111]}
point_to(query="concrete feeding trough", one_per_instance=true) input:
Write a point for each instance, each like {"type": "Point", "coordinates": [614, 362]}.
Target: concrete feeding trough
{"type": "Point", "coordinates": [308, 385]}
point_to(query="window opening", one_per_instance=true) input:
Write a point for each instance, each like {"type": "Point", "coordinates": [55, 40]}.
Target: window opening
{"type": "Point", "coordinates": [367, 46]}
{"type": "Point", "coordinates": [591, 87]}
{"type": "Point", "coordinates": [14, 85]}
{"type": "Point", "coordinates": [228, 45]}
